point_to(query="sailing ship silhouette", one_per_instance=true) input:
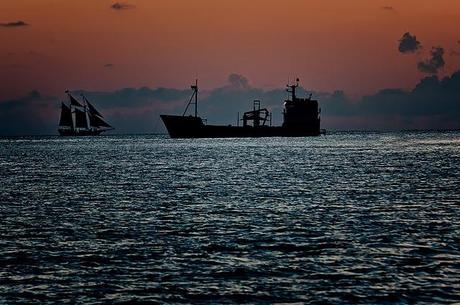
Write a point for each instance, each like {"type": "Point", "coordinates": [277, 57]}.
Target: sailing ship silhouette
{"type": "Point", "coordinates": [81, 118]}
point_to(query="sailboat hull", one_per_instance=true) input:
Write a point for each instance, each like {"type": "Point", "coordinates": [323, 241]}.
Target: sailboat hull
{"type": "Point", "coordinates": [74, 133]}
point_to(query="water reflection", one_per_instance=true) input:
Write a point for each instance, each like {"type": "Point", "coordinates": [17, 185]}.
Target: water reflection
{"type": "Point", "coordinates": [345, 218]}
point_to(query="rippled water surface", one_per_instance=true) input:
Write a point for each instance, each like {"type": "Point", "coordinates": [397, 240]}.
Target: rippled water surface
{"type": "Point", "coordinates": [343, 218]}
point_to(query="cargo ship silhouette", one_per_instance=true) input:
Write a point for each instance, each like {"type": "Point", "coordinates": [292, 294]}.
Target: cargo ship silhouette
{"type": "Point", "coordinates": [301, 117]}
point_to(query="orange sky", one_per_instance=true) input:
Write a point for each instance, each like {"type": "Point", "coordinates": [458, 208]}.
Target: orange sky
{"type": "Point", "coordinates": [349, 45]}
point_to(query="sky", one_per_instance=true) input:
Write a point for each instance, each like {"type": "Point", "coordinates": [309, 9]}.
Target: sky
{"type": "Point", "coordinates": [136, 59]}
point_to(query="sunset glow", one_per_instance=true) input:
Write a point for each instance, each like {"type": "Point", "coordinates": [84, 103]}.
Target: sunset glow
{"type": "Point", "coordinates": [348, 45]}
{"type": "Point", "coordinates": [330, 45]}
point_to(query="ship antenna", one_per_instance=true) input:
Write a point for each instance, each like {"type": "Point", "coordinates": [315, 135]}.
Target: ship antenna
{"type": "Point", "coordinates": [293, 87]}
{"type": "Point", "coordinates": [287, 86]}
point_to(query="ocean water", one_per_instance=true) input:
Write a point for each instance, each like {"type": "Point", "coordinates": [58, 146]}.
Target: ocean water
{"type": "Point", "coordinates": [370, 218]}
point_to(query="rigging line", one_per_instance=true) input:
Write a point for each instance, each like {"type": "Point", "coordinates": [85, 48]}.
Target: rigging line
{"type": "Point", "coordinates": [188, 104]}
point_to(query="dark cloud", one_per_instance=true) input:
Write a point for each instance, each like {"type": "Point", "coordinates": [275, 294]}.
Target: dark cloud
{"type": "Point", "coordinates": [13, 66]}
{"type": "Point", "coordinates": [433, 104]}
{"type": "Point", "coordinates": [409, 43]}
{"type": "Point", "coordinates": [434, 63]}
{"type": "Point", "coordinates": [121, 6]}
{"type": "Point", "coordinates": [35, 53]}
{"type": "Point", "coordinates": [388, 8]}
{"type": "Point", "coordinates": [14, 24]}
{"type": "Point", "coordinates": [238, 81]}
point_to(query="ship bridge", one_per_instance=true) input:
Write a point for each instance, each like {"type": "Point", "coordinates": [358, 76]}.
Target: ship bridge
{"type": "Point", "coordinates": [300, 113]}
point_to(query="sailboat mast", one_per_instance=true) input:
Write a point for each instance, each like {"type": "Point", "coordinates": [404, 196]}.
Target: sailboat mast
{"type": "Point", "coordinates": [73, 116]}
{"type": "Point", "coordinates": [86, 111]}
{"type": "Point", "coordinates": [72, 111]}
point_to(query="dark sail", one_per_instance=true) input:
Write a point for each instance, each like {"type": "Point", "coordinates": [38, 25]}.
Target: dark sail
{"type": "Point", "coordinates": [73, 101]}
{"type": "Point", "coordinates": [96, 121]}
{"type": "Point", "coordinates": [92, 110]}
{"type": "Point", "coordinates": [66, 116]}
{"type": "Point", "coordinates": [80, 119]}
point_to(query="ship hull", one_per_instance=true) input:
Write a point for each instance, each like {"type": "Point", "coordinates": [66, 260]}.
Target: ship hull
{"type": "Point", "coordinates": [193, 127]}
{"type": "Point", "coordinates": [73, 133]}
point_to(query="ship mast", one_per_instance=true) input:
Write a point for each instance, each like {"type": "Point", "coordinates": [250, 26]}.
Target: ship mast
{"type": "Point", "coordinates": [194, 95]}
{"type": "Point", "coordinates": [195, 88]}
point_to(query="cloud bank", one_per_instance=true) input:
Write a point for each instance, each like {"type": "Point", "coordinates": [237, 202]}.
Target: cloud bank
{"type": "Point", "coordinates": [27, 115]}
{"type": "Point", "coordinates": [433, 104]}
